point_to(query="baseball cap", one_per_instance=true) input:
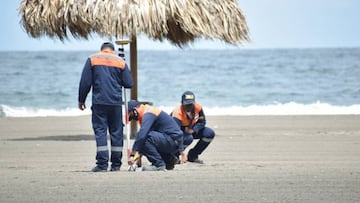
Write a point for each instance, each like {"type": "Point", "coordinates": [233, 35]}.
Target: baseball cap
{"type": "Point", "coordinates": [188, 97]}
{"type": "Point", "coordinates": [132, 104]}
{"type": "Point", "coordinates": [107, 44]}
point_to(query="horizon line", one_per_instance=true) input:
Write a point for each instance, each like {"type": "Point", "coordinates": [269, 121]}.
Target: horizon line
{"type": "Point", "coordinates": [191, 49]}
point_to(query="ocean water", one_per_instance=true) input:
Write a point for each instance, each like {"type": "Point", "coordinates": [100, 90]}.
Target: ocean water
{"type": "Point", "coordinates": [225, 82]}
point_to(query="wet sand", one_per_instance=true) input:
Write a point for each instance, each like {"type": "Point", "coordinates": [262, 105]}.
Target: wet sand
{"type": "Point", "coordinates": [252, 159]}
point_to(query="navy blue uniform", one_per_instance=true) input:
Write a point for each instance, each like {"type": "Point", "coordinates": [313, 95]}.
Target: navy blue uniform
{"type": "Point", "coordinates": [159, 136]}
{"type": "Point", "coordinates": [197, 122]}
{"type": "Point", "coordinates": [106, 74]}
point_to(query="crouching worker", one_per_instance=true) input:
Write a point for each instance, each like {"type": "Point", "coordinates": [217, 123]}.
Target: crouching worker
{"type": "Point", "coordinates": [159, 137]}
{"type": "Point", "coordinates": [190, 116]}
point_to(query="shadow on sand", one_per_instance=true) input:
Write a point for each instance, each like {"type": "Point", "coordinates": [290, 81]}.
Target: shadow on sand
{"type": "Point", "coordinates": [57, 138]}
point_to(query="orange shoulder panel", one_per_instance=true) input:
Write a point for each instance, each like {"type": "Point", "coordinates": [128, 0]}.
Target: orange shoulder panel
{"type": "Point", "coordinates": [106, 59]}
{"type": "Point", "coordinates": [197, 108]}
{"type": "Point", "coordinates": [179, 114]}
{"type": "Point", "coordinates": [153, 110]}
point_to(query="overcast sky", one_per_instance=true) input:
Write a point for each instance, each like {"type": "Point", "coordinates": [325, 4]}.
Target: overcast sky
{"type": "Point", "coordinates": [272, 24]}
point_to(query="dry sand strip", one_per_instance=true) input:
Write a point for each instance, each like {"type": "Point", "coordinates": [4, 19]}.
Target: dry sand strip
{"type": "Point", "coordinates": [252, 159]}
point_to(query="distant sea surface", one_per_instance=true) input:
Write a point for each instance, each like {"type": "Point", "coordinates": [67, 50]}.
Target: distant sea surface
{"type": "Point", "coordinates": [225, 82]}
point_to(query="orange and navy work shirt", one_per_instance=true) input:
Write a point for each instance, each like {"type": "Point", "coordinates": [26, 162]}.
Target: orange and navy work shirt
{"type": "Point", "coordinates": [196, 121]}
{"type": "Point", "coordinates": [106, 73]}
{"type": "Point", "coordinates": [154, 119]}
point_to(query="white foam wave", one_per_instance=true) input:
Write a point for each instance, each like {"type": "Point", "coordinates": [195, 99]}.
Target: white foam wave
{"type": "Point", "coordinates": [291, 108]}
{"type": "Point", "coordinates": [8, 111]}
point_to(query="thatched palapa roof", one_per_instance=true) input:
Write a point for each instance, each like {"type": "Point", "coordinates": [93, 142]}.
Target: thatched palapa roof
{"type": "Point", "coordinates": [179, 21]}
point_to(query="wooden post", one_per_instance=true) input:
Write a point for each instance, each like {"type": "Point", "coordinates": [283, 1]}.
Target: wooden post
{"type": "Point", "coordinates": [134, 89]}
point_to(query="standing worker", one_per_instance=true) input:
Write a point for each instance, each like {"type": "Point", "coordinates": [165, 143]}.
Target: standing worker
{"type": "Point", "coordinates": [190, 116]}
{"type": "Point", "coordinates": [106, 73]}
{"type": "Point", "coordinates": [159, 137]}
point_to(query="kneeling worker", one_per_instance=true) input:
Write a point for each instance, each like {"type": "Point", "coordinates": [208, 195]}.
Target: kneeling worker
{"type": "Point", "coordinates": [159, 137]}
{"type": "Point", "coordinates": [191, 118]}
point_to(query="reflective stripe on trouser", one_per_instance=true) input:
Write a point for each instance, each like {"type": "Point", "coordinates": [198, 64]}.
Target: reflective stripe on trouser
{"type": "Point", "coordinates": [116, 155]}
{"type": "Point", "coordinates": [108, 117]}
{"type": "Point", "coordinates": [206, 135]}
{"type": "Point", "coordinates": [102, 156]}
{"type": "Point", "coordinates": [158, 146]}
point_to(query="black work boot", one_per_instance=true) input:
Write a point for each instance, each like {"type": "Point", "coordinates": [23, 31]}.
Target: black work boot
{"type": "Point", "coordinates": [171, 165]}
{"type": "Point", "coordinates": [192, 157]}
{"type": "Point", "coordinates": [98, 169]}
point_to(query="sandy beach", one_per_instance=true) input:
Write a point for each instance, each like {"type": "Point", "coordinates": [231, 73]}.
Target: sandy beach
{"type": "Point", "coordinates": [252, 159]}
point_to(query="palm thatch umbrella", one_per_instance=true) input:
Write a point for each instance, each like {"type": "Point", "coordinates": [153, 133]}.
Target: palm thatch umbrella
{"type": "Point", "coordinates": [179, 21]}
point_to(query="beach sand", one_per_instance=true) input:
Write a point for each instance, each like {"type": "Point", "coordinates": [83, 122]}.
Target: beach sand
{"type": "Point", "coordinates": [252, 159]}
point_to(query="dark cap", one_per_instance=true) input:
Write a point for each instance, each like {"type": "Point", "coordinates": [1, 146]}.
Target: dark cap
{"type": "Point", "coordinates": [188, 98]}
{"type": "Point", "coordinates": [132, 104]}
{"type": "Point", "coordinates": [107, 44]}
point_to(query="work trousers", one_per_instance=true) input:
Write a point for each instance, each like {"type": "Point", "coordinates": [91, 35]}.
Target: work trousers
{"type": "Point", "coordinates": [159, 148]}
{"type": "Point", "coordinates": [108, 118]}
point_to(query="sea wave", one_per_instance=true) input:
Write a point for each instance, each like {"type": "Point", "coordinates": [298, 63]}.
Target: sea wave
{"type": "Point", "coordinates": [290, 108]}
{"type": "Point", "coordinates": [9, 111]}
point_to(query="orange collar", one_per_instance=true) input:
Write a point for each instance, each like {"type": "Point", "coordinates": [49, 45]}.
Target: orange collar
{"type": "Point", "coordinates": [141, 110]}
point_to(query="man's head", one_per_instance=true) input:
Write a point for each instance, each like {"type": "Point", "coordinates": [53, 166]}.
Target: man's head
{"type": "Point", "coordinates": [188, 101]}
{"type": "Point", "coordinates": [107, 45]}
{"type": "Point", "coordinates": [132, 111]}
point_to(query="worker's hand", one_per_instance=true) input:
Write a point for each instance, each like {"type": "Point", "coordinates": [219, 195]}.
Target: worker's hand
{"type": "Point", "coordinates": [183, 157]}
{"type": "Point", "coordinates": [82, 106]}
{"type": "Point", "coordinates": [134, 158]}
{"type": "Point", "coordinates": [189, 130]}
{"type": "Point", "coordinates": [131, 160]}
